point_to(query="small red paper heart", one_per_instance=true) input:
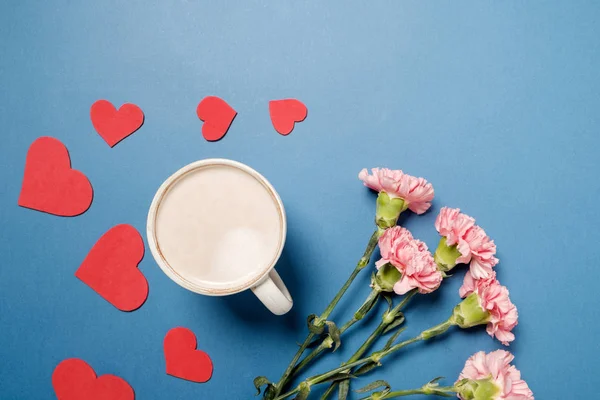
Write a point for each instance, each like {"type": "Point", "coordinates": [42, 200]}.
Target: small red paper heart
{"type": "Point", "coordinates": [217, 116]}
{"type": "Point", "coordinates": [285, 113]}
{"type": "Point", "coordinates": [115, 125]}
{"type": "Point", "coordinates": [183, 360]}
{"type": "Point", "coordinates": [74, 379]}
{"type": "Point", "coordinates": [49, 183]}
{"type": "Point", "coordinates": [111, 268]}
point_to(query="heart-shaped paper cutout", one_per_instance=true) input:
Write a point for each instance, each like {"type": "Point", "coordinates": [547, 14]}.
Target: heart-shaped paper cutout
{"type": "Point", "coordinates": [115, 125]}
{"type": "Point", "coordinates": [217, 116]}
{"type": "Point", "coordinates": [285, 113]}
{"type": "Point", "coordinates": [183, 360]}
{"type": "Point", "coordinates": [74, 379]}
{"type": "Point", "coordinates": [111, 268]}
{"type": "Point", "coordinates": [49, 183]}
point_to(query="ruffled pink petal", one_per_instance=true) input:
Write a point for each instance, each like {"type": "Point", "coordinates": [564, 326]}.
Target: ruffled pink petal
{"type": "Point", "coordinates": [468, 286]}
{"type": "Point", "coordinates": [505, 337]}
{"type": "Point", "coordinates": [465, 252]}
{"type": "Point", "coordinates": [403, 286]}
{"type": "Point", "coordinates": [479, 270]}
{"type": "Point", "coordinates": [504, 317]}
{"type": "Point", "coordinates": [419, 194]}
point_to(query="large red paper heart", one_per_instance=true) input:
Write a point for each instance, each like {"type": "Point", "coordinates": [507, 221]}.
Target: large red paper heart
{"type": "Point", "coordinates": [183, 360]}
{"type": "Point", "coordinates": [217, 116]}
{"type": "Point", "coordinates": [115, 125]}
{"type": "Point", "coordinates": [111, 268]}
{"type": "Point", "coordinates": [50, 185]}
{"type": "Point", "coordinates": [74, 379]}
{"type": "Point", "coordinates": [285, 113]}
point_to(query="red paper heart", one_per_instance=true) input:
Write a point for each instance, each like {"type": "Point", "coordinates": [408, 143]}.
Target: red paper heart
{"type": "Point", "coordinates": [217, 116]}
{"type": "Point", "coordinates": [285, 113]}
{"type": "Point", "coordinates": [111, 268]}
{"type": "Point", "coordinates": [74, 379]}
{"type": "Point", "coordinates": [183, 360]}
{"type": "Point", "coordinates": [50, 185]}
{"type": "Point", "coordinates": [115, 125]}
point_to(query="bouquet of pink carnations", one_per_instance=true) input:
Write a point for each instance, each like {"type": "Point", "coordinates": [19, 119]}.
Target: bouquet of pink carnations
{"type": "Point", "coordinates": [406, 268]}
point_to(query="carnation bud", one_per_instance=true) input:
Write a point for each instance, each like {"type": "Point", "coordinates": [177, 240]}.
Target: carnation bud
{"type": "Point", "coordinates": [445, 256]}
{"type": "Point", "coordinates": [388, 210]}
{"type": "Point", "coordinates": [482, 389]}
{"type": "Point", "coordinates": [469, 312]}
{"type": "Point", "coordinates": [386, 278]}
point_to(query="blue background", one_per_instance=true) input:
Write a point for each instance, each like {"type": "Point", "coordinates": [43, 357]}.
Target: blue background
{"type": "Point", "coordinates": [496, 103]}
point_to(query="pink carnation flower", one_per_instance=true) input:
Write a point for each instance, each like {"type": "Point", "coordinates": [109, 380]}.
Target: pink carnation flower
{"type": "Point", "coordinates": [412, 258]}
{"type": "Point", "coordinates": [471, 241]}
{"type": "Point", "coordinates": [496, 365]}
{"type": "Point", "coordinates": [493, 297]}
{"type": "Point", "coordinates": [417, 193]}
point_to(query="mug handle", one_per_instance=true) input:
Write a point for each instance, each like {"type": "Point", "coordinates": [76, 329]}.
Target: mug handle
{"type": "Point", "coordinates": [273, 294]}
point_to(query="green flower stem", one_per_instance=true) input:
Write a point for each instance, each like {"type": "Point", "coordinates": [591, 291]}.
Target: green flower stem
{"type": "Point", "coordinates": [374, 357]}
{"type": "Point", "coordinates": [327, 342]}
{"type": "Point", "coordinates": [438, 391]}
{"type": "Point", "coordinates": [362, 263]}
{"type": "Point", "coordinates": [372, 338]}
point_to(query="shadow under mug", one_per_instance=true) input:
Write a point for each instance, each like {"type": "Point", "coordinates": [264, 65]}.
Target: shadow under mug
{"type": "Point", "coordinates": [264, 281]}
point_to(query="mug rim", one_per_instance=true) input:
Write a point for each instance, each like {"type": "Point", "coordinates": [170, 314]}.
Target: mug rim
{"type": "Point", "coordinates": [153, 241]}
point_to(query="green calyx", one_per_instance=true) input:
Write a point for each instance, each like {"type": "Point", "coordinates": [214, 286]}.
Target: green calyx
{"type": "Point", "coordinates": [470, 313]}
{"type": "Point", "coordinates": [388, 210]}
{"type": "Point", "coordinates": [386, 278]}
{"type": "Point", "coordinates": [445, 256]}
{"type": "Point", "coordinates": [482, 389]}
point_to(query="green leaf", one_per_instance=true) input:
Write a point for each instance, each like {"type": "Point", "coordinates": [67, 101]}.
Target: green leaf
{"type": "Point", "coordinates": [375, 385]}
{"type": "Point", "coordinates": [259, 382]}
{"type": "Point", "coordinates": [363, 369]}
{"type": "Point", "coordinates": [270, 393]}
{"type": "Point", "coordinates": [344, 388]}
{"type": "Point", "coordinates": [434, 381]}
{"type": "Point", "coordinates": [398, 320]}
{"type": "Point", "coordinates": [393, 338]}
{"type": "Point", "coordinates": [434, 388]}
{"type": "Point", "coordinates": [335, 333]}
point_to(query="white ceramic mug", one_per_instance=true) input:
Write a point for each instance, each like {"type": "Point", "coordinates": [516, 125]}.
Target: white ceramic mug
{"type": "Point", "coordinates": [217, 227]}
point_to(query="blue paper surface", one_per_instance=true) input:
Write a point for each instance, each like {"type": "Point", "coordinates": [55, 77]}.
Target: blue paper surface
{"type": "Point", "coordinates": [496, 103]}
